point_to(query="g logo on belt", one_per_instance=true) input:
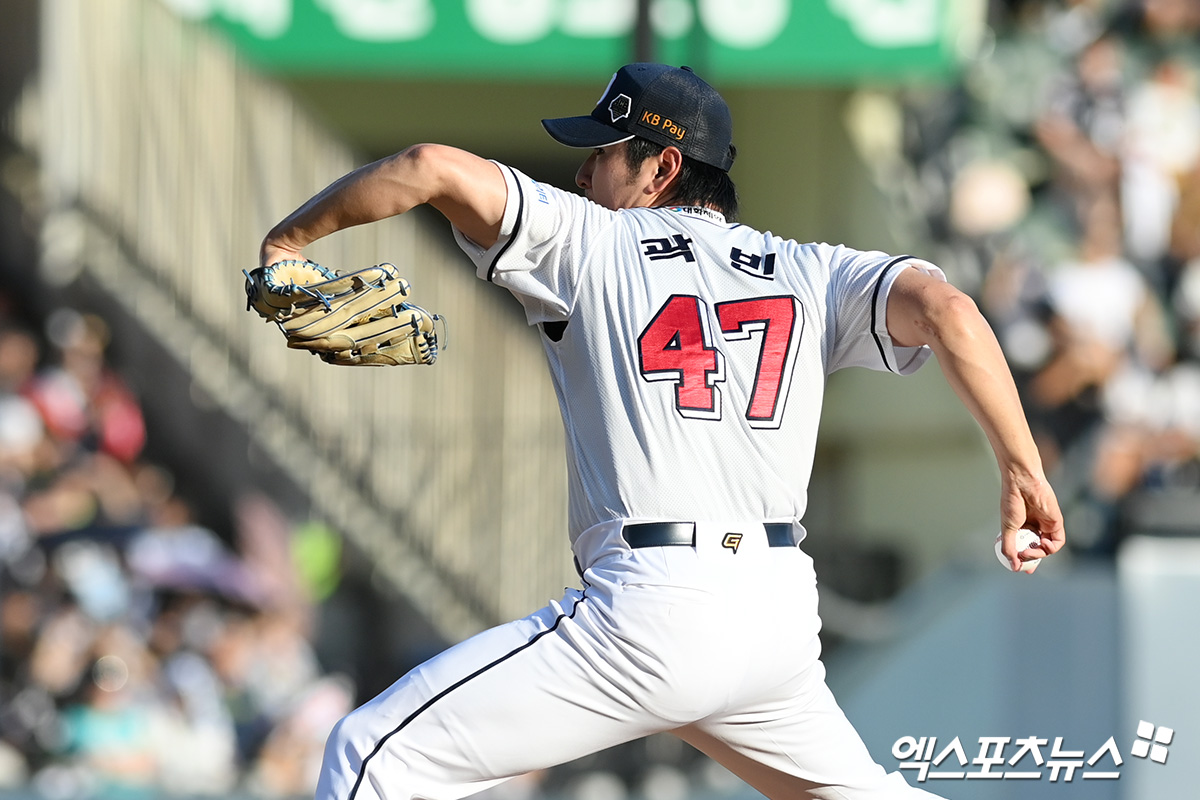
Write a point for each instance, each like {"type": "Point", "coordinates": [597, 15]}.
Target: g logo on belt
{"type": "Point", "coordinates": [731, 541]}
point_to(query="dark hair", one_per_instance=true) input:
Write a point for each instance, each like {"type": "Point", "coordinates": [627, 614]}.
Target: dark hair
{"type": "Point", "coordinates": [698, 184]}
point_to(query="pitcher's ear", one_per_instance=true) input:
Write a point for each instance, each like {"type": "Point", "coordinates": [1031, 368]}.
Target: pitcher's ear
{"type": "Point", "coordinates": [670, 162]}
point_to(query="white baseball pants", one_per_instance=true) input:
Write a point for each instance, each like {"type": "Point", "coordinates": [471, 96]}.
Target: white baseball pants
{"type": "Point", "coordinates": [716, 646]}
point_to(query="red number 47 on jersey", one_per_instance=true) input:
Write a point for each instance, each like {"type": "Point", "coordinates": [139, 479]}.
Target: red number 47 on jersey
{"type": "Point", "coordinates": [677, 346]}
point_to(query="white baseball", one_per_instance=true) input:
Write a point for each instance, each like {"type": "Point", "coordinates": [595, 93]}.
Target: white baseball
{"type": "Point", "coordinates": [1025, 539]}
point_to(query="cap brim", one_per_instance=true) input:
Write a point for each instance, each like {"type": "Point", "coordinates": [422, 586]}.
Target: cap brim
{"type": "Point", "coordinates": [583, 132]}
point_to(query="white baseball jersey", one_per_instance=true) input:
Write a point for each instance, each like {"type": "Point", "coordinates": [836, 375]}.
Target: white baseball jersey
{"type": "Point", "coordinates": [689, 370]}
{"type": "Point", "coordinates": [692, 365]}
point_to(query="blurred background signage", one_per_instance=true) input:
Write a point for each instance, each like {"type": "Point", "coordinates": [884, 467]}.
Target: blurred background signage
{"type": "Point", "coordinates": [757, 41]}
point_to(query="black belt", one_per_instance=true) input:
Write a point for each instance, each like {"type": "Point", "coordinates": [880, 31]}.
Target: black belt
{"type": "Point", "coordinates": [670, 534]}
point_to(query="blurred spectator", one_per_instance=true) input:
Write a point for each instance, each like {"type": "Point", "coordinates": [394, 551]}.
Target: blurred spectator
{"type": "Point", "coordinates": [82, 401]}
{"type": "Point", "coordinates": [1161, 147]}
{"type": "Point", "coordinates": [107, 728]}
{"type": "Point", "coordinates": [195, 739]}
{"type": "Point", "coordinates": [1082, 126]}
{"type": "Point", "coordinates": [1071, 26]}
{"type": "Point", "coordinates": [19, 355]}
{"type": "Point", "coordinates": [1104, 313]}
{"type": "Point", "coordinates": [1159, 28]}
{"type": "Point", "coordinates": [290, 759]}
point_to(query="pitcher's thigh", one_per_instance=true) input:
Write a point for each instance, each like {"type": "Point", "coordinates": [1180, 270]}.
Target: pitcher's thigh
{"type": "Point", "coordinates": [511, 700]}
{"type": "Point", "coordinates": [799, 745]}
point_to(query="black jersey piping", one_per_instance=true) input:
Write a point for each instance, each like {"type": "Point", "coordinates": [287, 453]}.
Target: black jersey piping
{"type": "Point", "coordinates": [512, 237]}
{"type": "Point", "coordinates": [875, 307]}
{"type": "Point", "coordinates": [362, 770]}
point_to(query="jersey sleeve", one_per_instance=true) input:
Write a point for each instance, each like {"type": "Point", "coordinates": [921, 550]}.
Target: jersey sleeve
{"type": "Point", "coordinates": [543, 239]}
{"type": "Point", "coordinates": [859, 287]}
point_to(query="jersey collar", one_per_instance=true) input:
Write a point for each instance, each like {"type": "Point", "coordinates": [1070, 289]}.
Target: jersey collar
{"type": "Point", "coordinates": [710, 214]}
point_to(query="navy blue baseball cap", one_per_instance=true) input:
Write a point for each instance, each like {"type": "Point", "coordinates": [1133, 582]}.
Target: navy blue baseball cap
{"type": "Point", "coordinates": [667, 105]}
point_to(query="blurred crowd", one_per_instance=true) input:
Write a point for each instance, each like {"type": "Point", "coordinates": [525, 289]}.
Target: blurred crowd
{"type": "Point", "coordinates": [140, 652]}
{"type": "Point", "coordinates": [1061, 177]}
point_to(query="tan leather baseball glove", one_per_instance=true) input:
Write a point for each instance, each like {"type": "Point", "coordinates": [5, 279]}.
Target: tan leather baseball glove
{"type": "Point", "coordinates": [360, 318]}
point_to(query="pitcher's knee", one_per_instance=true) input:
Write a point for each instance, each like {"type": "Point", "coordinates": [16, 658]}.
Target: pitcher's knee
{"type": "Point", "coordinates": [352, 740]}
{"type": "Point", "coordinates": [364, 760]}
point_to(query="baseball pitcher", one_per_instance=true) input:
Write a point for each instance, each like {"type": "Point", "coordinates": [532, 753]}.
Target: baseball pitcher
{"type": "Point", "coordinates": [689, 354]}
